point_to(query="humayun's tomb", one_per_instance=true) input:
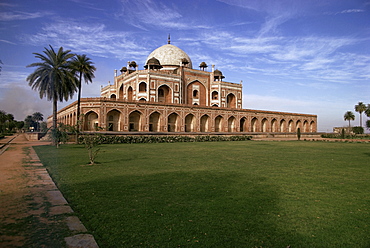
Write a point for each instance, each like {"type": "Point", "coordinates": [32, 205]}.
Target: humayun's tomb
{"type": "Point", "coordinates": [168, 95]}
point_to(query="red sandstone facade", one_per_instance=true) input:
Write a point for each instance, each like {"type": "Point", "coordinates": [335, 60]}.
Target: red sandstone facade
{"type": "Point", "coordinates": [168, 95]}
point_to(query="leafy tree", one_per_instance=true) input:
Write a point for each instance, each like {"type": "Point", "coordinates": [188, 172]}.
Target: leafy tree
{"type": "Point", "coordinates": [37, 117]}
{"type": "Point", "coordinates": [59, 134]}
{"type": "Point", "coordinates": [92, 143]}
{"type": "Point", "coordinates": [360, 107]}
{"type": "Point", "coordinates": [7, 122]}
{"type": "Point", "coordinates": [2, 120]}
{"type": "Point", "coordinates": [358, 130]}
{"type": "Point", "coordinates": [19, 125]}
{"type": "Point", "coordinates": [53, 77]}
{"type": "Point", "coordinates": [349, 116]}
{"type": "Point", "coordinates": [82, 67]}
{"type": "Point", "coordinates": [43, 127]}
{"type": "Point", "coordinates": [29, 122]}
{"type": "Point", "coordinates": [10, 122]}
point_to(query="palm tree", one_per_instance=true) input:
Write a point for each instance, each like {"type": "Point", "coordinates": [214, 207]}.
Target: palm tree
{"type": "Point", "coordinates": [360, 107]}
{"type": "Point", "coordinates": [37, 117]}
{"type": "Point", "coordinates": [367, 111]}
{"type": "Point", "coordinates": [349, 116]}
{"type": "Point", "coordinates": [53, 77]}
{"type": "Point", "coordinates": [82, 67]}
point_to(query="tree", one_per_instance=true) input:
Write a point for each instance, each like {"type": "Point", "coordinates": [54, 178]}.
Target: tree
{"type": "Point", "coordinates": [37, 117]}
{"type": "Point", "coordinates": [3, 119]}
{"type": "Point", "coordinates": [82, 67]}
{"type": "Point", "coordinates": [29, 122]}
{"type": "Point", "coordinates": [360, 107]}
{"type": "Point", "coordinates": [53, 77]}
{"type": "Point", "coordinates": [349, 116]}
{"type": "Point", "coordinates": [367, 111]}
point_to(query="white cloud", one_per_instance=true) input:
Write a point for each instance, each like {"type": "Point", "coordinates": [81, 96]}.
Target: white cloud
{"type": "Point", "coordinates": [94, 39]}
{"type": "Point", "coordinates": [9, 42]}
{"type": "Point", "coordinates": [347, 11]}
{"type": "Point", "coordinates": [146, 14]}
{"type": "Point", "coordinates": [19, 15]}
{"type": "Point", "coordinates": [315, 58]}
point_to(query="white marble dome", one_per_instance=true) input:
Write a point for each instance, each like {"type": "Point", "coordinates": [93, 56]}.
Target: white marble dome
{"type": "Point", "coordinates": [170, 55]}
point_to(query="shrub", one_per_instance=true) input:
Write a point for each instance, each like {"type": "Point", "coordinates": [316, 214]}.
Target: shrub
{"type": "Point", "coordinates": [358, 130]}
{"type": "Point", "coordinates": [91, 143]}
{"type": "Point", "coordinates": [127, 139]}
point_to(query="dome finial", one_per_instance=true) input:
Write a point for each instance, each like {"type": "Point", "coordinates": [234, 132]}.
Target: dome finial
{"type": "Point", "coordinates": [169, 39]}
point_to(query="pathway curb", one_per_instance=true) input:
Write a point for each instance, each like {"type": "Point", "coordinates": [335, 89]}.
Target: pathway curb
{"type": "Point", "coordinates": [58, 204]}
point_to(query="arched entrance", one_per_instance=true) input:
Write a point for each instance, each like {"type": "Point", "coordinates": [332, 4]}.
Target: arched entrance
{"type": "Point", "coordinates": [282, 126]}
{"type": "Point", "coordinates": [135, 121]}
{"type": "Point", "coordinates": [312, 126]}
{"type": "Point", "coordinates": [242, 124]}
{"type": "Point", "coordinates": [298, 125]}
{"type": "Point", "coordinates": [196, 94]}
{"type": "Point", "coordinates": [231, 101]}
{"type": "Point", "coordinates": [290, 126]}
{"type": "Point", "coordinates": [204, 126]}
{"type": "Point", "coordinates": [172, 122]}
{"type": "Point", "coordinates": [142, 87]}
{"type": "Point", "coordinates": [214, 95]}
{"type": "Point", "coordinates": [264, 125]}
{"type": "Point", "coordinates": [274, 126]}
{"type": "Point", "coordinates": [218, 123]}
{"type": "Point", "coordinates": [305, 126]}
{"type": "Point", "coordinates": [231, 124]}
{"type": "Point", "coordinates": [130, 93]}
{"type": "Point", "coordinates": [254, 124]}
{"type": "Point", "coordinates": [113, 120]}
{"type": "Point", "coordinates": [154, 122]}
{"type": "Point", "coordinates": [91, 122]}
{"type": "Point", "coordinates": [120, 92]}
{"type": "Point", "coordinates": [189, 123]}
{"type": "Point", "coordinates": [164, 94]}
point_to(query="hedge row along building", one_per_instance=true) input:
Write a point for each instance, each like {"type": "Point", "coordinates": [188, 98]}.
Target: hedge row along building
{"type": "Point", "coordinates": [168, 95]}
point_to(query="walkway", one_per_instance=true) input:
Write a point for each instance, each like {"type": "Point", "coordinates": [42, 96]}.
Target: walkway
{"type": "Point", "coordinates": [33, 212]}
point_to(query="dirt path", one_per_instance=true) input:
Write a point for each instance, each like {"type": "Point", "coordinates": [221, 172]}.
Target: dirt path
{"type": "Point", "coordinates": [13, 189]}
{"type": "Point", "coordinates": [33, 212]}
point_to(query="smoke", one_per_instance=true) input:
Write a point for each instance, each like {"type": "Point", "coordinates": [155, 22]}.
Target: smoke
{"type": "Point", "coordinates": [21, 102]}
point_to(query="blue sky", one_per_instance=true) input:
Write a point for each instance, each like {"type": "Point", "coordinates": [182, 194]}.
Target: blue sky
{"type": "Point", "coordinates": [304, 56]}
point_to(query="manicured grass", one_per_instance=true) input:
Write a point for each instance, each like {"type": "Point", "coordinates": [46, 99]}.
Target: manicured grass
{"type": "Point", "coordinates": [219, 194]}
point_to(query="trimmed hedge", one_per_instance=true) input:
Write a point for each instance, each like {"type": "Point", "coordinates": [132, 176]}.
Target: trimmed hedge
{"type": "Point", "coordinates": [112, 139]}
{"type": "Point", "coordinates": [346, 136]}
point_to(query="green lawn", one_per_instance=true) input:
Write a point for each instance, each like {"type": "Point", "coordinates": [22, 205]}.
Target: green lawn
{"type": "Point", "coordinates": [219, 194]}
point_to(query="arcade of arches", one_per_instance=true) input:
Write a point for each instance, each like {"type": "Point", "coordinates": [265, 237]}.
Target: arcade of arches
{"type": "Point", "coordinates": [146, 117]}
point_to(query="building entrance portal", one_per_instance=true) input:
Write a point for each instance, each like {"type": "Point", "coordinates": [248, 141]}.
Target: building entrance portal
{"type": "Point", "coordinates": [113, 120]}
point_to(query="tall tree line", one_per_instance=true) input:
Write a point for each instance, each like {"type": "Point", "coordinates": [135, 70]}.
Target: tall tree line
{"type": "Point", "coordinates": [359, 108]}
{"type": "Point", "coordinates": [58, 75]}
